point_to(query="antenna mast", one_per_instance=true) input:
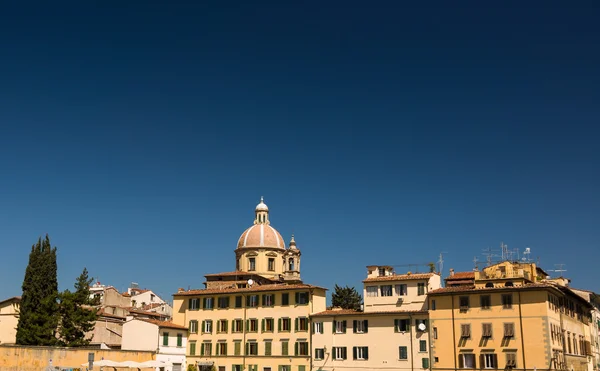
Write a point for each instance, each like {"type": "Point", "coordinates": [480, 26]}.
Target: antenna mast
{"type": "Point", "coordinates": [441, 263]}
{"type": "Point", "coordinates": [559, 269]}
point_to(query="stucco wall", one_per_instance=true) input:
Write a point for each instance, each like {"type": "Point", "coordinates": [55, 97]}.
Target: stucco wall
{"type": "Point", "coordinates": [25, 358]}
{"type": "Point", "coordinates": [139, 335]}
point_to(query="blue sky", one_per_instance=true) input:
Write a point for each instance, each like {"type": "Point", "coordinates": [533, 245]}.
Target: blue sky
{"type": "Point", "coordinates": [140, 136]}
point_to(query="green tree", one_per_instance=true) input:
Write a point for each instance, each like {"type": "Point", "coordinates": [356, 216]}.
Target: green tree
{"type": "Point", "coordinates": [431, 267]}
{"type": "Point", "coordinates": [346, 298]}
{"type": "Point", "coordinates": [38, 317]}
{"type": "Point", "coordinates": [77, 313]}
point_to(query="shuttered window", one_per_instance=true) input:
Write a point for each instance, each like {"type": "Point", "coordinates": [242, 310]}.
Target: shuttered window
{"type": "Point", "coordinates": [509, 330]}
{"type": "Point", "coordinates": [465, 330]}
{"type": "Point", "coordinates": [486, 330]}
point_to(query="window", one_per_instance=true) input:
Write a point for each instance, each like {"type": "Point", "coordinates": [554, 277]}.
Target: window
{"type": "Point", "coordinates": [165, 338]}
{"type": "Point", "coordinates": [179, 340]}
{"type": "Point", "coordinates": [193, 327]}
{"type": "Point", "coordinates": [466, 360]}
{"type": "Point", "coordinates": [301, 348]}
{"type": "Point", "coordinates": [485, 301]}
{"type": "Point", "coordinates": [206, 349]}
{"type": "Point", "coordinates": [268, 325]}
{"type": "Point", "coordinates": [301, 298]}
{"type": "Point", "coordinates": [285, 324]}
{"type": "Point", "coordinates": [425, 363]}
{"type": "Point", "coordinates": [271, 265]}
{"type": "Point", "coordinates": [381, 272]}
{"type": "Point", "coordinates": [486, 330]}
{"type": "Point", "coordinates": [285, 299]}
{"type": "Point", "coordinates": [360, 327]}
{"type": "Point", "coordinates": [237, 367]}
{"type": "Point", "coordinates": [401, 325]}
{"type": "Point", "coordinates": [193, 304]}
{"type": "Point", "coordinates": [222, 325]}
{"type": "Point", "coordinates": [238, 301]}
{"type": "Point", "coordinates": [403, 352]}
{"type": "Point", "coordinates": [372, 291]}
{"type": "Point", "coordinates": [360, 353]}
{"type": "Point", "coordinates": [237, 348]}
{"type": "Point", "coordinates": [285, 347]}
{"type": "Point", "coordinates": [251, 264]}
{"type": "Point", "coordinates": [319, 353]}
{"type": "Point", "coordinates": [318, 327]}
{"type": "Point", "coordinates": [236, 325]}
{"type": "Point", "coordinates": [422, 345]}
{"type": "Point", "coordinates": [421, 288]}
{"type": "Point", "coordinates": [252, 301]}
{"type": "Point", "coordinates": [433, 304]}
{"type": "Point", "coordinates": [418, 322]}
{"type": "Point", "coordinates": [463, 303]}
{"type": "Point", "coordinates": [465, 331]}
{"type": "Point", "coordinates": [207, 326]}
{"type": "Point", "coordinates": [302, 324]}
{"type": "Point", "coordinates": [268, 346]}
{"type": "Point", "coordinates": [268, 300]}
{"type": "Point", "coordinates": [252, 348]}
{"type": "Point", "coordinates": [489, 360]}
{"type": "Point", "coordinates": [192, 348]}
{"type": "Point", "coordinates": [511, 360]}
{"type": "Point", "coordinates": [223, 302]}
{"type": "Point", "coordinates": [222, 348]}
{"type": "Point", "coordinates": [209, 303]}
{"type": "Point", "coordinates": [284, 368]}
{"type": "Point", "coordinates": [252, 325]}
{"type": "Point", "coordinates": [152, 296]}
{"type": "Point", "coordinates": [435, 335]}
{"type": "Point", "coordinates": [386, 290]}
{"type": "Point", "coordinates": [401, 290]}
{"type": "Point", "coordinates": [339, 327]}
{"type": "Point", "coordinates": [509, 330]}
{"type": "Point", "coordinates": [339, 353]}
{"type": "Point", "coordinates": [291, 264]}
{"type": "Point", "coordinates": [506, 301]}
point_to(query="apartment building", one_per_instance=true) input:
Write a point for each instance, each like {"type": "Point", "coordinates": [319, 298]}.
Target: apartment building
{"type": "Point", "coordinates": [256, 317]}
{"type": "Point", "coordinates": [511, 317]}
{"type": "Point", "coordinates": [392, 333]}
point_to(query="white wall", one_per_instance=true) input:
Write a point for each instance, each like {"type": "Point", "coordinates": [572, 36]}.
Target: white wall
{"type": "Point", "coordinates": [140, 335]}
{"type": "Point", "coordinates": [172, 353]}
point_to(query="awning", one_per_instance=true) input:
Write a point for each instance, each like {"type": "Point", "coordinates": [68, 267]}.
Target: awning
{"type": "Point", "coordinates": [205, 363]}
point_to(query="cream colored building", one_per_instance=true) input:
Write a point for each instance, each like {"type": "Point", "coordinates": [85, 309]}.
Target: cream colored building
{"type": "Point", "coordinates": [256, 317]}
{"type": "Point", "coordinates": [9, 318]}
{"type": "Point", "coordinates": [594, 300]}
{"type": "Point", "coordinates": [392, 333]}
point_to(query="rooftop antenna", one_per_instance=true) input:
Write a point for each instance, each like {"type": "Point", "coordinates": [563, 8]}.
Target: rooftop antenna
{"type": "Point", "coordinates": [559, 269]}
{"type": "Point", "coordinates": [526, 255]}
{"type": "Point", "coordinates": [475, 262]}
{"type": "Point", "coordinates": [489, 254]}
{"type": "Point", "coordinates": [441, 263]}
{"type": "Point", "coordinates": [504, 249]}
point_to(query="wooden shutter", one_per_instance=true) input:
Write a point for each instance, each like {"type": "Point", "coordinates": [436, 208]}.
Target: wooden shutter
{"type": "Point", "coordinates": [267, 348]}
{"type": "Point", "coordinates": [247, 349]}
{"type": "Point", "coordinates": [248, 301]}
{"type": "Point", "coordinates": [481, 361]}
{"type": "Point", "coordinates": [284, 348]}
{"type": "Point", "coordinates": [425, 363]}
{"type": "Point", "coordinates": [297, 297]}
{"type": "Point", "coordinates": [354, 351]}
{"type": "Point", "coordinates": [202, 349]}
{"type": "Point", "coordinates": [296, 324]}
{"type": "Point", "coordinates": [279, 325]}
{"type": "Point", "coordinates": [354, 325]}
{"type": "Point", "coordinates": [509, 330]}
{"type": "Point", "coordinates": [247, 325]}
{"type": "Point", "coordinates": [461, 362]}
{"type": "Point", "coordinates": [366, 326]}
{"type": "Point", "coordinates": [396, 325]}
{"type": "Point", "coordinates": [237, 348]}
{"type": "Point", "coordinates": [344, 327]}
{"type": "Point", "coordinates": [366, 352]}
{"type": "Point", "coordinates": [190, 303]}
{"type": "Point", "coordinates": [262, 325]}
{"type": "Point", "coordinates": [296, 348]}
{"type": "Point", "coordinates": [344, 353]}
{"type": "Point", "coordinates": [203, 302]}
{"type": "Point", "coordinates": [264, 300]}
{"type": "Point", "coordinates": [495, 357]}
{"type": "Point", "coordinates": [334, 325]}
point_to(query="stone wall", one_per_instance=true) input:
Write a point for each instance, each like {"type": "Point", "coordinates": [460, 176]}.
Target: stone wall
{"type": "Point", "coordinates": [32, 358]}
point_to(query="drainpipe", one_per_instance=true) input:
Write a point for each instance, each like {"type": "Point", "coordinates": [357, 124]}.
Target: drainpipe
{"type": "Point", "coordinates": [522, 333]}
{"type": "Point", "coordinates": [453, 334]}
{"type": "Point", "coordinates": [412, 354]}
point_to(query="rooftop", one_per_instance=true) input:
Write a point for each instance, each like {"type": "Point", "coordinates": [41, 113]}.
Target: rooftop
{"type": "Point", "coordinates": [164, 324]}
{"type": "Point", "coordinates": [472, 288]}
{"type": "Point", "coordinates": [350, 312]}
{"type": "Point", "coordinates": [9, 300]}
{"type": "Point", "coordinates": [255, 288]}
{"type": "Point", "coordinates": [462, 276]}
{"type": "Point", "coordinates": [400, 277]}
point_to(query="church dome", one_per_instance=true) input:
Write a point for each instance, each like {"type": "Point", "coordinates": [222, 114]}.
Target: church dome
{"type": "Point", "coordinates": [261, 234]}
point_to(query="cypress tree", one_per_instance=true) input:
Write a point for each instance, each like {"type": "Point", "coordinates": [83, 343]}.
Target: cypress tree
{"type": "Point", "coordinates": [38, 317]}
{"type": "Point", "coordinates": [77, 312]}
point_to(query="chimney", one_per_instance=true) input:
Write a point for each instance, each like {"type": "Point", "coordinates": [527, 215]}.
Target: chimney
{"type": "Point", "coordinates": [179, 290]}
{"type": "Point", "coordinates": [451, 272]}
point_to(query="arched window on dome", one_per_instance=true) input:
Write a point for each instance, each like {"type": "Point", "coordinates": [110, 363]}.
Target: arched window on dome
{"type": "Point", "coordinates": [291, 264]}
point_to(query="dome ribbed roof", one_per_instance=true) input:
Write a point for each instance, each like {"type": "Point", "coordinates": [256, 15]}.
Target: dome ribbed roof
{"type": "Point", "coordinates": [261, 235]}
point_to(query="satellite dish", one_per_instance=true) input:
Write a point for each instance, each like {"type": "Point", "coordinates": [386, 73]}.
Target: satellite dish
{"type": "Point", "coordinates": [422, 327]}
{"type": "Point", "coordinates": [250, 282]}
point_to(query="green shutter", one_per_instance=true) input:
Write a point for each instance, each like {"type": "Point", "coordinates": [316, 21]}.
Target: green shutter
{"type": "Point", "coordinates": [179, 340]}
{"type": "Point", "coordinates": [354, 351]}
{"type": "Point", "coordinates": [297, 297]}
{"type": "Point", "coordinates": [354, 326]}
{"type": "Point", "coordinates": [204, 303]}
{"type": "Point", "coordinates": [284, 348]}
{"type": "Point", "coordinates": [334, 323]}
{"type": "Point", "coordinates": [301, 368]}
{"type": "Point", "coordinates": [262, 325]}
{"type": "Point", "coordinates": [279, 324]}
{"type": "Point", "coordinates": [296, 348]}
{"type": "Point", "coordinates": [366, 325]}
{"type": "Point", "coordinates": [366, 352]}
{"type": "Point", "coordinates": [296, 324]}
{"type": "Point", "coordinates": [267, 348]}
{"type": "Point", "coordinates": [192, 348]}
{"type": "Point", "coordinates": [344, 327]}
{"type": "Point", "coordinates": [165, 338]}
{"type": "Point", "coordinates": [202, 349]}
{"type": "Point", "coordinates": [425, 362]}
{"type": "Point", "coordinates": [237, 348]}
{"type": "Point", "coordinates": [247, 349]}
{"type": "Point", "coordinates": [247, 325]}
{"type": "Point", "coordinates": [280, 368]}
{"type": "Point", "coordinates": [396, 325]}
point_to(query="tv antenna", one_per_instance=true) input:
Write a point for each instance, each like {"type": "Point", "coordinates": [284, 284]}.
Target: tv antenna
{"type": "Point", "coordinates": [526, 255]}
{"type": "Point", "coordinates": [489, 254]}
{"type": "Point", "coordinates": [559, 269]}
{"type": "Point", "coordinates": [441, 263]}
{"type": "Point", "coordinates": [475, 260]}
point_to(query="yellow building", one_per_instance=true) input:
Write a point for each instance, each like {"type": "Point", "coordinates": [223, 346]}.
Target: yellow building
{"type": "Point", "coordinates": [392, 333]}
{"type": "Point", "coordinates": [9, 318]}
{"type": "Point", "coordinates": [256, 317]}
{"type": "Point", "coordinates": [511, 316]}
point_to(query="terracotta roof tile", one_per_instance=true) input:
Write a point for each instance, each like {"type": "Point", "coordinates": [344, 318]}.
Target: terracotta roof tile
{"type": "Point", "coordinates": [234, 273]}
{"type": "Point", "coordinates": [14, 298]}
{"type": "Point", "coordinates": [462, 276]}
{"type": "Point", "coordinates": [472, 288]}
{"type": "Point", "coordinates": [399, 277]}
{"type": "Point", "coordinates": [350, 312]}
{"type": "Point", "coordinates": [256, 288]}
{"type": "Point", "coordinates": [165, 324]}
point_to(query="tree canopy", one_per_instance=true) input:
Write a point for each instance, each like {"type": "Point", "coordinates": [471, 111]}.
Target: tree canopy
{"type": "Point", "coordinates": [346, 298]}
{"type": "Point", "coordinates": [77, 313]}
{"type": "Point", "coordinates": [38, 317]}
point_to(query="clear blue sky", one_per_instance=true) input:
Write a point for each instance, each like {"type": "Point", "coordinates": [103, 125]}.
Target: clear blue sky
{"type": "Point", "coordinates": [141, 135]}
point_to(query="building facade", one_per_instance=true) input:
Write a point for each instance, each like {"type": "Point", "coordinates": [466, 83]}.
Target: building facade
{"type": "Point", "coordinates": [9, 318]}
{"type": "Point", "coordinates": [392, 333]}
{"type": "Point", "coordinates": [256, 317]}
{"type": "Point", "coordinates": [511, 317]}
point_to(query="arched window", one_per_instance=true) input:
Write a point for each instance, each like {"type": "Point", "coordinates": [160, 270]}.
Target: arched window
{"type": "Point", "coordinates": [509, 284]}
{"type": "Point", "coordinates": [291, 264]}
{"type": "Point", "coordinates": [489, 284]}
